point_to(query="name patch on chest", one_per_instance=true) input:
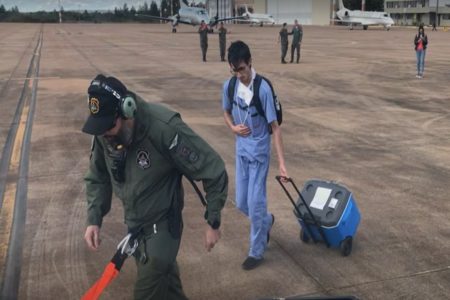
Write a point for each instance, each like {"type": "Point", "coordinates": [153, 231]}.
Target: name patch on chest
{"type": "Point", "coordinates": [143, 159]}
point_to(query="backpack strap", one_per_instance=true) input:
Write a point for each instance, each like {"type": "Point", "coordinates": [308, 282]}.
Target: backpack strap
{"type": "Point", "coordinates": [256, 101]}
{"type": "Point", "coordinates": [231, 89]}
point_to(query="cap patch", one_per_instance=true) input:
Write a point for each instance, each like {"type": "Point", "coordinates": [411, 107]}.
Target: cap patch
{"type": "Point", "coordinates": [94, 105]}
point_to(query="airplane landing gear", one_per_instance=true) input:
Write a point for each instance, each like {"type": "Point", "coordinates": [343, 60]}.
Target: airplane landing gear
{"type": "Point", "coordinates": [365, 27]}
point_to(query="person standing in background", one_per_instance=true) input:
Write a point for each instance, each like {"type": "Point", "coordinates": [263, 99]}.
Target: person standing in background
{"type": "Point", "coordinates": [203, 31]}
{"type": "Point", "coordinates": [297, 33]}
{"type": "Point", "coordinates": [283, 38]}
{"type": "Point", "coordinates": [420, 45]}
{"type": "Point", "coordinates": [222, 41]}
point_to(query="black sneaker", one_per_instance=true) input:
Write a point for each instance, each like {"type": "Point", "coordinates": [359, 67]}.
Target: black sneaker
{"type": "Point", "coordinates": [251, 263]}
{"type": "Point", "coordinates": [268, 233]}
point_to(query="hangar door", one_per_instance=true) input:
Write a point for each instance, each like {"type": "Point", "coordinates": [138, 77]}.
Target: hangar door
{"type": "Point", "coordinates": [289, 10]}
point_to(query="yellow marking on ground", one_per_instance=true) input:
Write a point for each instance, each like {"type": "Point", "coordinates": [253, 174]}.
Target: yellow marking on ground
{"type": "Point", "coordinates": [9, 197]}
{"type": "Point", "coordinates": [18, 141]}
{"type": "Point", "coordinates": [6, 220]}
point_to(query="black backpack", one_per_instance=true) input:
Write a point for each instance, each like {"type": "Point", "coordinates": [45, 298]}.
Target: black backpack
{"type": "Point", "coordinates": [255, 100]}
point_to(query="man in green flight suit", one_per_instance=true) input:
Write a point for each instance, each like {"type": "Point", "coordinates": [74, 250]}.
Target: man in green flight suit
{"type": "Point", "coordinates": [140, 151]}
{"type": "Point", "coordinates": [297, 32]}
{"type": "Point", "coordinates": [203, 31]}
{"type": "Point", "coordinates": [283, 38]}
{"type": "Point", "coordinates": [222, 41]}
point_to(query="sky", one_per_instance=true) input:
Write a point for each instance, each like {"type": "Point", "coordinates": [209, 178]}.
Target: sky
{"type": "Point", "coordinates": [50, 5]}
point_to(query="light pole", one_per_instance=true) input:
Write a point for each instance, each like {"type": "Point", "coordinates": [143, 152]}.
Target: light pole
{"type": "Point", "coordinates": [437, 12]}
{"type": "Point", "coordinates": [60, 11]}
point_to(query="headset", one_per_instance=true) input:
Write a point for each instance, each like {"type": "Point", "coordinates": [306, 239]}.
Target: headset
{"type": "Point", "coordinates": [127, 104]}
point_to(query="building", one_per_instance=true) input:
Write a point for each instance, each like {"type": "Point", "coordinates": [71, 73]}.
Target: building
{"type": "Point", "coordinates": [307, 12]}
{"type": "Point", "coordinates": [418, 12]}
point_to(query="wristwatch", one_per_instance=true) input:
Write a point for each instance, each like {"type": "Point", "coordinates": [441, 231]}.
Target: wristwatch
{"type": "Point", "coordinates": [215, 224]}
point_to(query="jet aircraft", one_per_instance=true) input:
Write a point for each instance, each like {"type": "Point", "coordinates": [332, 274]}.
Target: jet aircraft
{"type": "Point", "coordinates": [254, 18]}
{"type": "Point", "coordinates": [191, 16]}
{"type": "Point", "coordinates": [364, 18]}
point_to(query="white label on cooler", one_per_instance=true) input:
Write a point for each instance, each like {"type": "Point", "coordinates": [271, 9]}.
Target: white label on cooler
{"type": "Point", "coordinates": [320, 198]}
{"type": "Point", "coordinates": [333, 203]}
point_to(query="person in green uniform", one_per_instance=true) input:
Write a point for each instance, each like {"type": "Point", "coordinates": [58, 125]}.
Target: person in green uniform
{"type": "Point", "coordinates": [297, 33]}
{"type": "Point", "coordinates": [203, 31]}
{"type": "Point", "coordinates": [283, 38]}
{"type": "Point", "coordinates": [140, 151]}
{"type": "Point", "coordinates": [222, 41]}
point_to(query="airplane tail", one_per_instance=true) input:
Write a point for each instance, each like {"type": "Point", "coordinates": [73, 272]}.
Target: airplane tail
{"type": "Point", "coordinates": [246, 8]}
{"type": "Point", "coordinates": [341, 5]}
{"type": "Point", "coordinates": [183, 3]}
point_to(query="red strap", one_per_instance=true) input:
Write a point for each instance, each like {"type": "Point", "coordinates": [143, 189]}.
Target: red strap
{"type": "Point", "coordinates": [108, 275]}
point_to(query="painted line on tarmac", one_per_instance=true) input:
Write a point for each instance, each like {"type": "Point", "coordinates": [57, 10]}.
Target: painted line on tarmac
{"type": "Point", "coordinates": [9, 197]}
{"type": "Point", "coordinates": [406, 276]}
{"type": "Point", "coordinates": [30, 78]}
{"type": "Point", "coordinates": [15, 183]}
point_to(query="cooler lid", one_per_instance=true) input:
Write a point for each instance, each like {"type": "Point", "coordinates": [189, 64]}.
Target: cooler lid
{"type": "Point", "coordinates": [327, 201]}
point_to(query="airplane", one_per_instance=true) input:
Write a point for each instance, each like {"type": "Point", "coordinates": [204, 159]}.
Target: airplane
{"type": "Point", "coordinates": [191, 16]}
{"type": "Point", "coordinates": [253, 18]}
{"type": "Point", "coordinates": [364, 18]}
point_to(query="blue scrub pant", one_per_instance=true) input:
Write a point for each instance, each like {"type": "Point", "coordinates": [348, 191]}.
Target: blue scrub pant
{"type": "Point", "coordinates": [251, 199]}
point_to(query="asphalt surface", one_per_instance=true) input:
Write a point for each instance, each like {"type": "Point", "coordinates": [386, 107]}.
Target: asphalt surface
{"type": "Point", "coordinates": [353, 113]}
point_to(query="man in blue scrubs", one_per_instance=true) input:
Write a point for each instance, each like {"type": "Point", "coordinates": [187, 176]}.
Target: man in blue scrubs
{"type": "Point", "coordinates": [252, 148]}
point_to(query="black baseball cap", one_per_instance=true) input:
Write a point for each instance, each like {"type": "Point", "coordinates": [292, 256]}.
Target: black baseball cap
{"type": "Point", "coordinates": [104, 97]}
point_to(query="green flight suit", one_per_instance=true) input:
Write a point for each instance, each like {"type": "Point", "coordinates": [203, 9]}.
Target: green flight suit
{"type": "Point", "coordinates": [203, 40]}
{"type": "Point", "coordinates": [164, 149]}
{"type": "Point", "coordinates": [284, 43]}
{"type": "Point", "coordinates": [222, 42]}
{"type": "Point", "coordinates": [297, 33]}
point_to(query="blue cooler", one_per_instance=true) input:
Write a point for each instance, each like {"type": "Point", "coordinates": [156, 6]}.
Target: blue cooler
{"type": "Point", "coordinates": [326, 212]}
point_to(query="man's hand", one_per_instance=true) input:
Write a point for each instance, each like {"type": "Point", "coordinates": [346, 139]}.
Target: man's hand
{"type": "Point", "coordinates": [241, 130]}
{"type": "Point", "coordinates": [212, 236]}
{"type": "Point", "coordinates": [283, 172]}
{"type": "Point", "coordinates": [92, 237]}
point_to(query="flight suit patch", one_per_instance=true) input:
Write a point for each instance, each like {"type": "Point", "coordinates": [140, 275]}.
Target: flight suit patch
{"type": "Point", "coordinates": [193, 157]}
{"type": "Point", "coordinates": [184, 151]}
{"type": "Point", "coordinates": [143, 159]}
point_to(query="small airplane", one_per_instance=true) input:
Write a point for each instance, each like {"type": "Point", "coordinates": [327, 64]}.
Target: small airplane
{"type": "Point", "coordinates": [364, 18]}
{"type": "Point", "coordinates": [254, 18]}
{"type": "Point", "coordinates": [191, 16]}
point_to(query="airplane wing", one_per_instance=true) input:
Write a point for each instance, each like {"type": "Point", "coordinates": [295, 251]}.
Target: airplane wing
{"type": "Point", "coordinates": [174, 19]}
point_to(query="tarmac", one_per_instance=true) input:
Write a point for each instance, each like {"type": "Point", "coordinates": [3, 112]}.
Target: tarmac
{"type": "Point", "coordinates": [353, 113]}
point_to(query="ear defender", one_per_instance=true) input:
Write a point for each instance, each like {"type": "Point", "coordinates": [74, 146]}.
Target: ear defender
{"type": "Point", "coordinates": [128, 107]}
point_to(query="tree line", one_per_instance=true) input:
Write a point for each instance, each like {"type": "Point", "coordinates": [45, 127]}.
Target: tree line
{"type": "Point", "coordinates": [119, 14]}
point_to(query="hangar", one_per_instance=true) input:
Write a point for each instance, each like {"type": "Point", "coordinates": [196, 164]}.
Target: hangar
{"type": "Point", "coordinates": [307, 12]}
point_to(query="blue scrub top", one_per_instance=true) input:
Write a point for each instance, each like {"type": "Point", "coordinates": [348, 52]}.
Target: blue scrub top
{"type": "Point", "coordinates": [256, 146]}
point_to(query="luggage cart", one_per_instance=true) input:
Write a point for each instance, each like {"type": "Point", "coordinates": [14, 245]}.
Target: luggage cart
{"type": "Point", "coordinates": [326, 211]}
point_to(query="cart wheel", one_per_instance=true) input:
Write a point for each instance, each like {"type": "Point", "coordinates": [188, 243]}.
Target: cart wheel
{"type": "Point", "coordinates": [303, 236]}
{"type": "Point", "coordinates": [346, 246]}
